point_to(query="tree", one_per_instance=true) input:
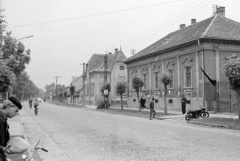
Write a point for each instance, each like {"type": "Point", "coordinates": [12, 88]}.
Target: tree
{"type": "Point", "coordinates": [137, 83]}
{"type": "Point", "coordinates": [7, 78]}
{"type": "Point", "coordinates": [120, 89]}
{"type": "Point", "coordinates": [166, 80]}
{"type": "Point", "coordinates": [232, 72]}
{"type": "Point", "coordinates": [24, 88]}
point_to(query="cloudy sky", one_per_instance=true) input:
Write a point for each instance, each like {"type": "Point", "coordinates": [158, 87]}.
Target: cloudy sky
{"type": "Point", "coordinates": [67, 32]}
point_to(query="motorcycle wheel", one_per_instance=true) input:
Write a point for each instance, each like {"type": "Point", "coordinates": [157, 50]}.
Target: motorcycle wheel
{"type": "Point", "coordinates": [187, 117]}
{"type": "Point", "coordinates": [204, 114]}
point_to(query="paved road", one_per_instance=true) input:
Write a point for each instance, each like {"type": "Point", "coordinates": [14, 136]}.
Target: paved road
{"type": "Point", "coordinates": [84, 134]}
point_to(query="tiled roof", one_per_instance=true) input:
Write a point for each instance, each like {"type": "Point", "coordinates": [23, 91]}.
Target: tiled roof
{"type": "Point", "coordinates": [216, 27]}
{"type": "Point", "coordinates": [94, 61]}
{"type": "Point", "coordinates": [112, 60]}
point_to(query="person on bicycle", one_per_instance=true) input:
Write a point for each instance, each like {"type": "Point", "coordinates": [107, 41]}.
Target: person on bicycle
{"type": "Point", "coordinates": [36, 106]}
{"type": "Point", "coordinates": [30, 103]}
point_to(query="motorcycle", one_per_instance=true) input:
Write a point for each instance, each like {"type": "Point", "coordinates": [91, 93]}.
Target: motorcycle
{"type": "Point", "coordinates": [196, 114]}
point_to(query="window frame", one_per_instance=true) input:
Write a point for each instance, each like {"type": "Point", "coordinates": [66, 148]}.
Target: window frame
{"type": "Point", "coordinates": [185, 77]}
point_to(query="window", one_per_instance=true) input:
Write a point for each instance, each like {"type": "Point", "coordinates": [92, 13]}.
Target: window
{"type": "Point", "coordinates": [156, 80]}
{"type": "Point", "coordinates": [144, 81]}
{"type": "Point", "coordinates": [171, 77]}
{"type": "Point", "coordinates": [188, 76]}
{"type": "Point", "coordinates": [121, 68]}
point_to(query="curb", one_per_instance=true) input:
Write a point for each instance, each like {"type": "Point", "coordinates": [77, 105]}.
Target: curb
{"type": "Point", "coordinates": [209, 124]}
{"type": "Point", "coordinates": [24, 133]}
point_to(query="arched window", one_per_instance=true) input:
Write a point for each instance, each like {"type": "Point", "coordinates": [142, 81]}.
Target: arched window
{"type": "Point", "coordinates": [121, 68]}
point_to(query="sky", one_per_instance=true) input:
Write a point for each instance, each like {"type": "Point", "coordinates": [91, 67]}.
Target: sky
{"type": "Point", "coordinates": [68, 32]}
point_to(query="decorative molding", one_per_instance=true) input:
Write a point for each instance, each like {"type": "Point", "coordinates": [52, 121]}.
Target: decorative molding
{"type": "Point", "coordinates": [187, 61]}
{"type": "Point", "coordinates": [215, 46]}
{"type": "Point", "coordinates": [232, 57]}
{"type": "Point", "coordinates": [144, 70]}
{"type": "Point", "coordinates": [156, 68]}
{"type": "Point", "coordinates": [134, 71]}
{"type": "Point", "coordinates": [156, 58]}
{"type": "Point", "coordinates": [170, 65]}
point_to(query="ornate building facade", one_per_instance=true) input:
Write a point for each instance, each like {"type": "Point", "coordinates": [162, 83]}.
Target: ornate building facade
{"type": "Point", "coordinates": [182, 54]}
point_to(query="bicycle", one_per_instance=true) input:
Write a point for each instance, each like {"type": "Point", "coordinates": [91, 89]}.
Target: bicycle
{"type": "Point", "coordinates": [31, 153]}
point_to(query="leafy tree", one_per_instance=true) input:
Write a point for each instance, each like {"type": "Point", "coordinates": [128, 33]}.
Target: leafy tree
{"type": "Point", "coordinates": [24, 88]}
{"type": "Point", "coordinates": [232, 71]}
{"type": "Point", "coordinates": [7, 78]}
{"type": "Point", "coordinates": [137, 83]}
{"type": "Point", "coordinates": [14, 54]}
{"type": "Point", "coordinates": [120, 89]}
{"type": "Point", "coordinates": [166, 80]}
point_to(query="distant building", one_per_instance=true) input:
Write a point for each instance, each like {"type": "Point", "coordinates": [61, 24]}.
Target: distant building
{"type": "Point", "coordinates": [117, 72]}
{"type": "Point", "coordinates": [205, 44]}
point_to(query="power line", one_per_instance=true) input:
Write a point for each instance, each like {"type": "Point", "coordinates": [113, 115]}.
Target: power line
{"type": "Point", "coordinates": [93, 15]}
{"type": "Point", "coordinates": [167, 24]}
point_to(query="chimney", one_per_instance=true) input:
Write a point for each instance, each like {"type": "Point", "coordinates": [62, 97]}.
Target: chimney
{"type": "Point", "coordinates": [193, 21]}
{"type": "Point", "coordinates": [116, 50]}
{"type": "Point", "coordinates": [182, 26]}
{"type": "Point", "coordinates": [221, 11]}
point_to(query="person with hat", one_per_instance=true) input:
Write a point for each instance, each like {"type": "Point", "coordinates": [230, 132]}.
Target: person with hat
{"type": "Point", "coordinates": [9, 109]}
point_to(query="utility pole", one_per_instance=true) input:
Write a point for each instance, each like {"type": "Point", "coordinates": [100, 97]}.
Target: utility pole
{"type": "Point", "coordinates": [56, 88]}
{"type": "Point", "coordinates": [83, 85]}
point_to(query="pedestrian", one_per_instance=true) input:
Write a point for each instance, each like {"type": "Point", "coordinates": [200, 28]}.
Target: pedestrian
{"type": "Point", "coordinates": [152, 110]}
{"type": "Point", "coordinates": [30, 103]}
{"type": "Point", "coordinates": [184, 102]}
{"type": "Point", "coordinates": [9, 109]}
{"type": "Point", "coordinates": [142, 102]}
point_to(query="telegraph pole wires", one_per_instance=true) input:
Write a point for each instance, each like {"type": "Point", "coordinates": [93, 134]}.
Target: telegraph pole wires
{"type": "Point", "coordinates": [56, 88]}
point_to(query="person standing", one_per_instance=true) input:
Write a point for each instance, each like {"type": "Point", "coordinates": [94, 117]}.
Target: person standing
{"type": "Point", "coordinates": [142, 102]}
{"type": "Point", "coordinates": [9, 109]}
{"type": "Point", "coordinates": [184, 102]}
{"type": "Point", "coordinates": [30, 103]}
{"type": "Point", "coordinates": [152, 110]}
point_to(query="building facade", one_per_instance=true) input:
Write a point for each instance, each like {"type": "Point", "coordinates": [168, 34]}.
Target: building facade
{"type": "Point", "coordinates": [95, 70]}
{"type": "Point", "coordinates": [182, 54]}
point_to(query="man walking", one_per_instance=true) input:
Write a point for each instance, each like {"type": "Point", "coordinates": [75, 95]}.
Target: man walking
{"type": "Point", "coordinates": [184, 102]}
{"type": "Point", "coordinates": [152, 111]}
{"type": "Point", "coordinates": [9, 109]}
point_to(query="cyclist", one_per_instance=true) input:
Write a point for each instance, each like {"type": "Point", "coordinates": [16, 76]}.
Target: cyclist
{"type": "Point", "coordinates": [36, 106]}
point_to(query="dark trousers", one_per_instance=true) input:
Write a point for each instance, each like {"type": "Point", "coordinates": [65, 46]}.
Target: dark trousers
{"type": "Point", "coordinates": [152, 113]}
{"type": "Point", "coordinates": [183, 108]}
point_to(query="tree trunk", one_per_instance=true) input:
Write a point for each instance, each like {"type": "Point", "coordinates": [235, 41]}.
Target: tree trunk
{"type": "Point", "coordinates": [139, 106]}
{"type": "Point", "coordinates": [121, 102]}
{"type": "Point", "coordinates": [238, 101]}
{"type": "Point", "coordinates": [165, 99]}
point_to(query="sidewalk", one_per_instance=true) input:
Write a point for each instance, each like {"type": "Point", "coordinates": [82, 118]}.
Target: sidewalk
{"type": "Point", "coordinates": [16, 130]}
{"type": "Point", "coordinates": [173, 114]}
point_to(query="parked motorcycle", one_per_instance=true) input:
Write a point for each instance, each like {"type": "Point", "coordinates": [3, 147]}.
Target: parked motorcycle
{"type": "Point", "coordinates": [196, 114]}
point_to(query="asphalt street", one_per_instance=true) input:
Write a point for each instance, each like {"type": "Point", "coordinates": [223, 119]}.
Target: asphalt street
{"type": "Point", "coordinates": [84, 134]}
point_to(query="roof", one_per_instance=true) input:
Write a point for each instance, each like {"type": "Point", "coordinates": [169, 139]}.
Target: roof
{"type": "Point", "coordinates": [112, 60]}
{"type": "Point", "coordinates": [217, 27]}
{"type": "Point", "coordinates": [94, 61]}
